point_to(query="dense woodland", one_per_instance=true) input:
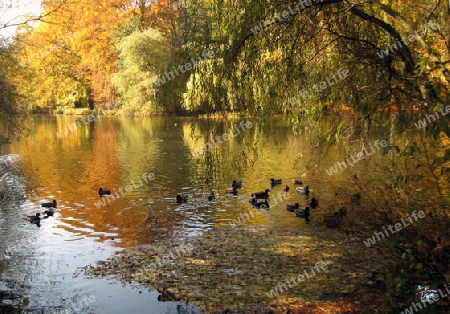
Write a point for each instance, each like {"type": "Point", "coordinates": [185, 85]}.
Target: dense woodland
{"type": "Point", "coordinates": [258, 58]}
{"type": "Point", "coordinates": [112, 53]}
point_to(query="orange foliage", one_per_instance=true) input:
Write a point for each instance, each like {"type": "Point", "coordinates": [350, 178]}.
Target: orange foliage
{"type": "Point", "coordinates": [70, 52]}
{"type": "Point", "coordinates": [162, 15]}
{"type": "Point", "coordinates": [78, 33]}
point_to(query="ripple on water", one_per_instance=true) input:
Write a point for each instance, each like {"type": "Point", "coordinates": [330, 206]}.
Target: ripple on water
{"type": "Point", "coordinates": [80, 234]}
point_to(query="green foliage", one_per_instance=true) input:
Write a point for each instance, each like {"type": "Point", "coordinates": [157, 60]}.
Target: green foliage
{"type": "Point", "coordinates": [142, 56]}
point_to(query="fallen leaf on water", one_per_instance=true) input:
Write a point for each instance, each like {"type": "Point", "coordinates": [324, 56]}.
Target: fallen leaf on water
{"type": "Point", "coordinates": [236, 269]}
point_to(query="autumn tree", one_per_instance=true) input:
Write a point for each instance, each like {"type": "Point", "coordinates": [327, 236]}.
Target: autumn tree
{"type": "Point", "coordinates": [142, 56]}
{"type": "Point", "coordinates": [12, 107]}
{"type": "Point", "coordinates": [70, 52]}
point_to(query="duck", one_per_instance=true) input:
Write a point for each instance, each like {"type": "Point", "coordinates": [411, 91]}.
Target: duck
{"type": "Point", "coordinates": [102, 192]}
{"type": "Point", "coordinates": [301, 190]}
{"type": "Point", "coordinates": [34, 219]}
{"type": "Point", "coordinates": [302, 213]}
{"type": "Point", "coordinates": [286, 188]}
{"type": "Point", "coordinates": [275, 181]}
{"type": "Point", "coordinates": [261, 205]}
{"type": "Point", "coordinates": [291, 207]}
{"type": "Point", "coordinates": [314, 202]}
{"type": "Point", "coordinates": [237, 184]}
{"type": "Point", "coordinates": [49, 205]}
{"type": "Point", "coordinates": [49, 212]}
{"type": "Point", "coordinates": [342, 211]}
{"type": "Point", "coordinates": [264, 195]}
{"type": "Point", "coordinates": [231, 190]}
{"type": "Point", "coordinates": [182, 198]}
{"type": "Point", "coordinates": [211, 196]}
{"type": "Point", "coordinates": [355, 197]}
{"type": "Point", "coordinates": [252, 199]}
{"type": "Point", "coordinates": [297, 181]}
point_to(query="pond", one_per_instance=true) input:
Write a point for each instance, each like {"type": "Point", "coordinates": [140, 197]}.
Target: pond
{"type": "Point", "coordinates": [145, 162]}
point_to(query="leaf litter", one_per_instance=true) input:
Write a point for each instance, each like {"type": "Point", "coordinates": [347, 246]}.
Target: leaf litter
{"type": "Point", "coordinates": [234, 270]}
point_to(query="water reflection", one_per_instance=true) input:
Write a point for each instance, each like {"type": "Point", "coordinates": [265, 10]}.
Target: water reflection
{"type": "Point", "coordinates": [115, 153]}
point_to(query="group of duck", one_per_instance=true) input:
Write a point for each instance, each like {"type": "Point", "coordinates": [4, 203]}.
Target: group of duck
{"type": "Point", "coordinates": [257, 200]}
{"type": "Point", "coordinates": [51, 208]}
{"type": "Point", "coordinates": [260, 199]}
{"type": "Point", "coordinates": [295, 208]}
{"type": "Point", "coordinates": [264, 196]}
{"type": "Point", "coordinates": [183, 197]}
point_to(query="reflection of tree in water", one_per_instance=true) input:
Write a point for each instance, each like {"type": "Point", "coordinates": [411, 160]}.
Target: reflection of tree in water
{"type": "Point", "coordinates": [219, 159]}
{"type": "Point", "coordinates": [251, 150]}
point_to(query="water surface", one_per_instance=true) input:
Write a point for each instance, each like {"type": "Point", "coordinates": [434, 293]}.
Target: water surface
{"type": "Point", "coordinates": [119, 153]}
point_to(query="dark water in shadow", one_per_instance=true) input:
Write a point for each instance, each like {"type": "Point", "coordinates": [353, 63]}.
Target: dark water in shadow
{"type": "Point", "coordinates": [119, 153]}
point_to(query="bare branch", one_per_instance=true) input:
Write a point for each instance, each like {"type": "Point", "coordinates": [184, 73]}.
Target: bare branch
{"type": "Point", "coordinates": [30, 19]}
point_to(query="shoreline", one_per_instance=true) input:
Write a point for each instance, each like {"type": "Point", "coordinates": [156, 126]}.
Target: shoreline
{"type": "Point", "coordinates": [343, 110]}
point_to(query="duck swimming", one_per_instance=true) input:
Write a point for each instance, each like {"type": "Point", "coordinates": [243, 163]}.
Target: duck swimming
{"type": "Point", "coordinates": [342, 211]}
{"type": "Point", "coordinates": [102, 192]}
{"type": "Point", "coordinates": [355, 197]}
{"type": "Point", "coordinates": [302, 213]}
{"type": "Point", "coordinates": [291, 207]}
{"type": "Point", "coordinates": [275, 181]}
{"type": "Point", "coordinates": [49, 212]}
{"type": "Point", "coordinates": [301, 190]}
{"type": "Point", "coordinates": [237, 184]}
{"type": "Point", "coordinates": [48, 205]}
{"type": "Point", "coordinates": [297, 181]}
{"type": "Point", "coordinates": [264, 195]}
{"type": "Point", "coordinates": [286, 188]}
{"type": "Point", "coordinates": [34, 219]}
{"type": "Point", "coordinates": [182, 198]}
{"type": "Point", "coordinates": [314, 202]}
{"type": "Point", "coordinates": [252, 199]}
{"type": "Point", "coordinates": [211, 196]}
